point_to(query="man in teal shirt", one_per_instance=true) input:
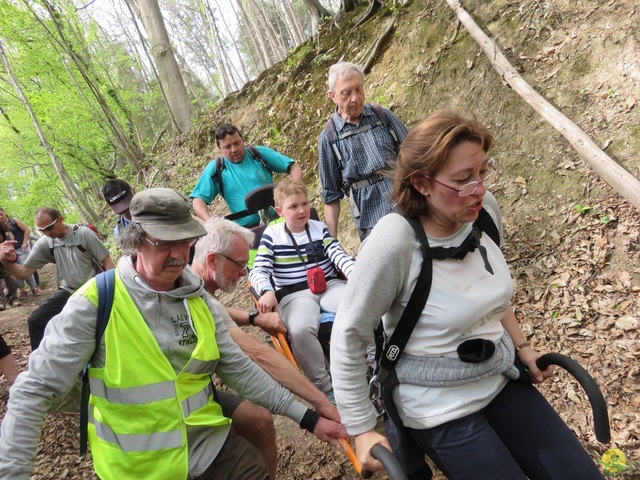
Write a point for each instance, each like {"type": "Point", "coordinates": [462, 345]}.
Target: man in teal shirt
{"type": "Point", "coordinates": [239, 173]}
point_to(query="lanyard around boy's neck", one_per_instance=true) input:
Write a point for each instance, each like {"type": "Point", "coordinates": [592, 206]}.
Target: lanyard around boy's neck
{"type": "Point", "coordinates": [313, 248]}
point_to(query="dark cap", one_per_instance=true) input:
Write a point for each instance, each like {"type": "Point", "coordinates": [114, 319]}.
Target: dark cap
{"type": "Point", "coordinates": [117, 194]}
{"type": "Point", "coordinates": [165, 214]}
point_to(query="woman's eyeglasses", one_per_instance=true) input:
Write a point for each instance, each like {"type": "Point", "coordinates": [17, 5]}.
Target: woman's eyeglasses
{"type": "Point", "coordinates": [468, 188]}
{"type": "Point", "coordinates": [48, 227]}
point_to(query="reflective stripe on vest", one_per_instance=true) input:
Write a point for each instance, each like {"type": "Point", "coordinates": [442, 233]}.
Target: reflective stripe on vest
{"type": "Point", "coordinates": [139, 407]}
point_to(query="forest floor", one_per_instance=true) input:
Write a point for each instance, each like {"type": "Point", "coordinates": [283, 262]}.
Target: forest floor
{"type": "Point", "coordinates": [571, 241]}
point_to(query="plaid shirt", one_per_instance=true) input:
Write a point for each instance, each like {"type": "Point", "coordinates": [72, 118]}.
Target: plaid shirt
{"type": "Point", "coordinates": [362, 155]}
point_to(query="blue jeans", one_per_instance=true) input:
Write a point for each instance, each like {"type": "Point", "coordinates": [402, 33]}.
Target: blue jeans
{"type": "Point", "coordinates": [517, 436]}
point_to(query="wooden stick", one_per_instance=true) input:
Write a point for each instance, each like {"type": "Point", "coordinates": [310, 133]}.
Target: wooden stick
{"type": "Point", "coordinates": [611, 172]}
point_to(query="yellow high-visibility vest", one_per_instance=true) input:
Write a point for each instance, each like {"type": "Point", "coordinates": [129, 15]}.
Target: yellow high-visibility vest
{"type": "Point", "coordinates": [139, 409]}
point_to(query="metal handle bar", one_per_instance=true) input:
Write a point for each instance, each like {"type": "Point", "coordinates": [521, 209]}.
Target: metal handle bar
{"type": "Point", "coordinates": [586, 381]}
{"type": "Point", "coordinates": [389, 461]}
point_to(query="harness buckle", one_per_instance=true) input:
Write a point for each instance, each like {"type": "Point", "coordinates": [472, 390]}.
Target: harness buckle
{"type": "Point", "coordinates": [375, 395]}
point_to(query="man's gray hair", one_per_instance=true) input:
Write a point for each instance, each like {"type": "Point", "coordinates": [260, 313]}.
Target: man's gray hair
{"type": "Point", "coordinates": [131, 237]}
{"type": "Point", "coordinates": [220, 235]}
{"type": "Point", "coordinates": [343, 69]}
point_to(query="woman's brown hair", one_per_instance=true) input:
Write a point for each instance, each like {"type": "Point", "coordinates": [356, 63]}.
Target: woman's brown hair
{"type": "Point", "coordinates": [425, 150]}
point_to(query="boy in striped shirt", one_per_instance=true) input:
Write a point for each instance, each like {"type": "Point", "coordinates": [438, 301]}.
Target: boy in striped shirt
{"type": "Point", "coordinates": [291, 252]}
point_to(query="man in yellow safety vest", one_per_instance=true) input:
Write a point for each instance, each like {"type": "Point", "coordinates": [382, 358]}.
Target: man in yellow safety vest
{"type": "Point", "coordinates": [153, 411]}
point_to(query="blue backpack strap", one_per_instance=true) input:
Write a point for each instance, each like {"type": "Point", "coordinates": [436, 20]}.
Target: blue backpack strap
{"type": "Point", "coordinates": [105, 283]}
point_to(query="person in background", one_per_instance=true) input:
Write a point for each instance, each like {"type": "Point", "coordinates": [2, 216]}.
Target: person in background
{"type": "Point", "coordinates": [237, 172]}
{"type": "Point", "coordinates": [8, 284]}
{"type": "Point", "coordinates": [153, 410]}
{"type": "Point", "coordinates": [76, 251]}
{"type": "Point", "coordinates": [455, 390]}
{"type": "Point", "coordinates": [21, 234]}
{"type": "Point", "coordinates": [220, 260]}
{"type": "Point", "coordinates": [118, 194]}
{"type": "Point", "coordinates": [8, 366]}
{"type": "Point", "coordinates": [354, 150]}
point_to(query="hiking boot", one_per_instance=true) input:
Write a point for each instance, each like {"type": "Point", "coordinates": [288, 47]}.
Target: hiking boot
{"type": "Point", "coordinates": [3, 306]}
{"type": "Point", "coordinates": [14, 302]}
{"type": "Point", "coordinates": [24, 294]}
{"type": "Point", "coordinates": [35, 291]}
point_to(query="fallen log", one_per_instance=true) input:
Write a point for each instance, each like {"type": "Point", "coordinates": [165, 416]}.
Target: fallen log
{"type": "Point", "coordinates": [608, 169]}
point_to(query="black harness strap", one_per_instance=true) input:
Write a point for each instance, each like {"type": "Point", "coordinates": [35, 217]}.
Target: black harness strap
{"type": "Point", "coordinates": [217, 175]}
{"type": "Point", "coordinates": [417, 301]}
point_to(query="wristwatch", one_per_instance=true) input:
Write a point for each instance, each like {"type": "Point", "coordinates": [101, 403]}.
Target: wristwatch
{"type": "Point", "coordinates": [252, 316]}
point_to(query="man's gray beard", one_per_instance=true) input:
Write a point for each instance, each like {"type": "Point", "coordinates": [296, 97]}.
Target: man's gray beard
{"type": "Point", "coordinates": [224, 284]}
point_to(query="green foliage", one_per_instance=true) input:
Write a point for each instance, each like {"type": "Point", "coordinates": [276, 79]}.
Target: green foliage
{"type": "Point", "coordinates": [580, 208]}
{"type": "Point", "coordinates": [76, 110]}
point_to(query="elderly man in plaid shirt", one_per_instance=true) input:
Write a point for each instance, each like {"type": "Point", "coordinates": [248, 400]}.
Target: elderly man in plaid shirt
{"type": "Point", "coordinates": [354, 148]}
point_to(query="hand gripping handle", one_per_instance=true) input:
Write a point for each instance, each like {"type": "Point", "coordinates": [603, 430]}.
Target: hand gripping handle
{"type": "Point", "coordinates": [394, 470]}
{"type": "Point", "coordinates": [586, 381]}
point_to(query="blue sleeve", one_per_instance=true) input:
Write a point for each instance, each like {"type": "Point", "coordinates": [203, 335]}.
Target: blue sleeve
{"type": "Point", "coordinates": [330, 173]}
{"type": "Point", "coordinates": [205, 188]}
{"type": "Point", "coordinates": [276, 162]}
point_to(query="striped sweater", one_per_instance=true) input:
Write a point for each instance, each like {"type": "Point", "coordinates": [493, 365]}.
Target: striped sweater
{"type": "Point", "coordinates": [277, 263]}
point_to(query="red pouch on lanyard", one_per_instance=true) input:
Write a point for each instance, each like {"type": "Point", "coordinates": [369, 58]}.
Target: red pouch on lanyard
{"type": "Point", "coordinates": [316, 280]}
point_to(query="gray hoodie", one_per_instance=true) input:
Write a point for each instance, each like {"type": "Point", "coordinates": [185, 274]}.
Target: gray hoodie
{"type": "Point", "coordinates": [69, 343]}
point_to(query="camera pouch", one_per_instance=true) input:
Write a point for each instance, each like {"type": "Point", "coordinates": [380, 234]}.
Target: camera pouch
{"type": "Point", "coordinates": [316, 280]}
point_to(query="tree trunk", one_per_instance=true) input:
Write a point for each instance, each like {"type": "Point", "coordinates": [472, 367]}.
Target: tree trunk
{"type": "Point", "coordinates": [261, 50]}
{"type": "Point", "coordinates": [245, 74]}
{"type": "Point", "coordinates": [75, 195]}
{"type": "Point", "coordinates": [348, 5]}
{"type": "Point", "coordinates": [292, 22]}
{"type": "Point", "coordinates": [175, 90]}
{"type": "Point", "coordinates": [611, 172]}
{"type": "Point", "coordinates": [266, 31]}
{"type": "Point", "coordinates": [318, 13]}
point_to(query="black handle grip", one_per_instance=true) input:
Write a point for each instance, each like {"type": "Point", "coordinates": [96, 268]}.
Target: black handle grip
{"type": "Point", "coordinates": [389, 461]}
{"type": "Point", "coordinates": [586, 381]}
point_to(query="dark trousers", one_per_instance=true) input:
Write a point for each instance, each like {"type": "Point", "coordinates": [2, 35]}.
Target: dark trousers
{"type": "Point", "coordinates": [237, 460]}
{"type": "Point", "coordinates": [4, 348]}
{"type": "Point", "coordinates": [517, 436]}
{"type": "Point", "coordinates": [40, 317]}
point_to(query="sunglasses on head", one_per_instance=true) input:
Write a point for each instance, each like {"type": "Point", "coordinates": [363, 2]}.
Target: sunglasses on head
{"type": "Point", "coordinates": [48, 227]}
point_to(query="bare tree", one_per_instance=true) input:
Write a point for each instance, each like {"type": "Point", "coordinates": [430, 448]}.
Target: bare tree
{"type": "Point", "coordinates": [264, 59]}
{"type": "Point", "coordinates": [293, 25]}
{"type": "Point", "coordinates": [318, 13]}
{"type": "Point", "coordinates": [277, 50]}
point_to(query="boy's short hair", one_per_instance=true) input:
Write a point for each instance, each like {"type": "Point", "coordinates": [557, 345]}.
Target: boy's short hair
{"type": "Point", "coordinates": [286, 188]}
